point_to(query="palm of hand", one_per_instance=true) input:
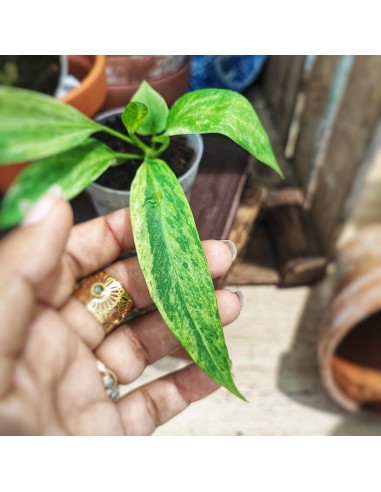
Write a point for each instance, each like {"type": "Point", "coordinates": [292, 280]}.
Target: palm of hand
{"type": "Point", "coordinates": [49, 343]}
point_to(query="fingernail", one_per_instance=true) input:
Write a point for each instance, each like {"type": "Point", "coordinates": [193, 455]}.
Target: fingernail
{"type": "Point", "coordinates": [232, 246]}
{"type": "Point", "coordinates": [43, 206]}
{"type": "Point", "coordinates": [241, 296]}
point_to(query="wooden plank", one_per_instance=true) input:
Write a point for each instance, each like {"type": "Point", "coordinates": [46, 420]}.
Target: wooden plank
{"type": "Point", "coordinates": [281, 82]}
{"type": "Point", "coordinates": [283, 248]}
{"type": "Point", "coordinates": [217, 190]}
{"type": "Point", "coordinates": [257, 265]}
{"type": "Point", "coordinates": [251, 205]}
{"type": "Point", "coordinates": [296, 247]}
{"type": "Point", "coordinates": [264, 175]}
{"type": "Point", "coordinates": [354, 127]}
{"type": "Point", "coordinates": [248, 211]}
{"type": "Point", "coordinates": [316, 92]}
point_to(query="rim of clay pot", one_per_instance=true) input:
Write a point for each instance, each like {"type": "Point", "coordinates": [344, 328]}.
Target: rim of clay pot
{"type": "Point", "coordinates": [95, 78]}
{"type": "Point", "coordinates": [182, 178]}
{"type": "Point", "coordinates": [162, 80]}
{"type": "Point", "coordinates": [330, 338]}
{"type": "Point", "coordinates": [119, 93]}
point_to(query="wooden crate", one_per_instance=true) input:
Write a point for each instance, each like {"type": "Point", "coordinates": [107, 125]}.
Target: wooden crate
{"type": "Point", "coordinates": [321, 113]}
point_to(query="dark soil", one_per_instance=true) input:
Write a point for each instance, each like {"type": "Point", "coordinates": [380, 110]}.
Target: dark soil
{"type": "Point", "coordinates": [178, 156]}
{"type": "Point", "coordinates": [37, 73]}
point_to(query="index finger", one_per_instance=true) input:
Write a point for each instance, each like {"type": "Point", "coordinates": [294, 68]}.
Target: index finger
{"type": "Point", "coordinates": [97, 242]}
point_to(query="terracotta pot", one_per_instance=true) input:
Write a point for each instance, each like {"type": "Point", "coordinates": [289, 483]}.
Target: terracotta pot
{"type": "Point", "coordinates": [91, 94]}
{"type": "Point", "coordinates": [349, 349]}
{"type": "Point", "coordinates": [87, 98]}
{"type": "Point", "coordinates": [125, 73]}
{"type": "Point", "coordinates": [107, 200]}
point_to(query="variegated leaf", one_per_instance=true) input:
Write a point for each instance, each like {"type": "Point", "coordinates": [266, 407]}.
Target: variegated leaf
{"type": "Point", "coordinates": [175, 268]}
{"type": "Point", "coordinates": [226, 112]}
{"type": "Point", "coordinates": [33, 126]}
{"type": "Point", "coordinates": [73, 170]}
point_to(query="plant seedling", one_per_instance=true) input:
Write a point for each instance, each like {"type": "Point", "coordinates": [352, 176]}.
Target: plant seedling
{"type": "Point", "coordinates": [56, 136]}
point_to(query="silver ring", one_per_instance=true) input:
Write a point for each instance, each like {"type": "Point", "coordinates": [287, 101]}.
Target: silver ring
{"type": "Point", "coordinates": [110, 381]}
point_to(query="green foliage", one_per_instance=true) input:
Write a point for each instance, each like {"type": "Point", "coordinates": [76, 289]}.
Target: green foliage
{"type": "Point", "coordinates": [34, 126]}
{"type": "Point", "coordinates": [73, 170]}
{"type": "Point", "coordinates": [175, 268]}
{"type": "Point", "coordinates": [133, 116]}
{"type": "Point", "coordinates": [226, 112]}
{"type": "Point", "coordinates": [156, 119]}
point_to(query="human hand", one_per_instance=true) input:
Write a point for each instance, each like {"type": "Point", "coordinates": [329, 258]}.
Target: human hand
{"type": "Point", "coordinates": [49, 341]}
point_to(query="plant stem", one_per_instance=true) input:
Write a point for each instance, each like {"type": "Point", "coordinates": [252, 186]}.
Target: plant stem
{"type": "Point", "coordinates": [128, 156]}
{"type": "Point", "coordinates": [163, 147]}
{"type": "Point", "coordinates": [133, 140]}
{"type": "Point", "coordinates": [117, 134]}
{"type": "Point", "coordinates": [142, 146]}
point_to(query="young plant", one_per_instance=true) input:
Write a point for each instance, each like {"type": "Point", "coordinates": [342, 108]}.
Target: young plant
{"type": "Point", "coordinates": [57, 137]}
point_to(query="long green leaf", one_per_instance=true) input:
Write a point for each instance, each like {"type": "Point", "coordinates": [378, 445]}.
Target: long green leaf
{"type": "Point", "coordinates": [226, 112]}
{"type": "Point", "coordinates": [175, 268]}
{"type": "Point", "coordinates": [73, 170]}
{"type": "Point", "coordinates": [156, 119]}
{"type": "Point", "coordinates": [33, 126]}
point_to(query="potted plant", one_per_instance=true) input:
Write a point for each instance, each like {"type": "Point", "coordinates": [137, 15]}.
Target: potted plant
{"type": "Point", "coordinates": [111, 190]}
{"type": "Point", "coordinates": [37, 127]}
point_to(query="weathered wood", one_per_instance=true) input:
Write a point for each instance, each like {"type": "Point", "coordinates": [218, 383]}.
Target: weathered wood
{"type": "Point", "coordinates": [248, 211]}
{"type": "Point", "coordinates": [217, 190]}
{"type": "Point", "coordinates": [281, 82]}
{"type": "Point", "coordinates": [256, 266]}
{"type": "Point", "coordinates": [356, 121]}
{"type": "Point", "coordinates": [283, 249]}
{"type": "Point", "coordinates": [316, 91]}
{"type": "Point", "coordinates": [296, 248]}
{"type": "Point", "coordinates": [252, 201]}
{"type": "Point", "coordinates": [264, 175]}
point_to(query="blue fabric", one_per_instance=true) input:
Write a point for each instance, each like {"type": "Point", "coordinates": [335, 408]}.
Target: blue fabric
{"type": "Point", "coordinates": [235, 72]}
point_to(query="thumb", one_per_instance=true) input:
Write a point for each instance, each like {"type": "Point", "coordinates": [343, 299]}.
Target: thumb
{"type": "Point", "coordinates": [33, 250]}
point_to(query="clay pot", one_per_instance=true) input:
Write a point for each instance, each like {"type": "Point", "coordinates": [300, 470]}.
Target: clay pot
{"type": "Point", "coordinates": [168, 74]}
{"type": "Point", "coordinates": [349, 350]}
{"type": "Point", "coordinates": [91, 94]}
{"type": "Point", "coordinates": [106, 200]}
{"type": "Point", "coordinates": [87, 98]}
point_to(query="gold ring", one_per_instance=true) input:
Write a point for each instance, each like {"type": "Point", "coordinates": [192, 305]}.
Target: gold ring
{"type": "Point", "coordinates": [105, 298]}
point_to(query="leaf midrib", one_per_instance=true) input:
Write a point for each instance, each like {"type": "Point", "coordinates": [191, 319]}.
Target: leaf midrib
{"type": "Point", "coordinates": [164, 235]}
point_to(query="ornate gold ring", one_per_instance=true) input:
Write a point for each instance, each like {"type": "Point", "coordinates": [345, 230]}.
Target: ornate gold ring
{"type": "Point", "coordinates": [105, 298]}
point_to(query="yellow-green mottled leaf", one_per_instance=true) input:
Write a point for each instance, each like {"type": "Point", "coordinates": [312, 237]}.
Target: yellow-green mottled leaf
{"type": "Point", "coordinates": [175, 268]}
{"type": "Point", "coordinates": [156, 119]}
{"type": "Point", "coordinates": [133, 116]}
{"type": "Point", "coordinates": [226, 112]}
{"type": "Point", "coordinates": [73, 170]}
{"type": "Point", "coordinates": [33, 126]}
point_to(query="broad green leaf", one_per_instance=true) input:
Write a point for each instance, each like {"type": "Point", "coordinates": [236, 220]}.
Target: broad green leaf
{"type": "Point", "coordinates": [33, 126]}
{"type": "Point", "coordinates": [156, 120]}
{"type": "Point", "coordinates": [175, 268]}
{"type": "Point", "coordinates": [133, 116]}
{"type": "Point", "coordinates": [226, 112]}
{"type": "Point", "coordinates": [73, 170]}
